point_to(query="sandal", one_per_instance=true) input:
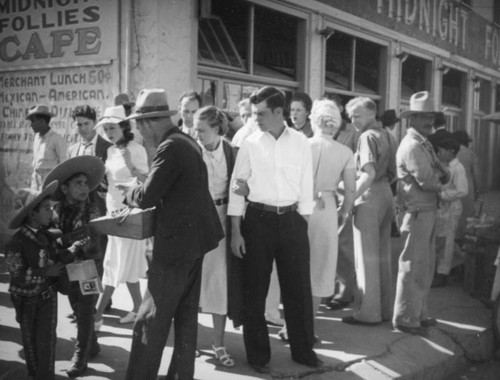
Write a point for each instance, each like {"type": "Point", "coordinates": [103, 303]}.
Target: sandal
{"type": "Point", "coordinates": [224, 358]}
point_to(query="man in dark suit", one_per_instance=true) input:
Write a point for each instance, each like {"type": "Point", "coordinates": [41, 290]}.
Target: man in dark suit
{"type": "Point", "coordinates": [187, 227]}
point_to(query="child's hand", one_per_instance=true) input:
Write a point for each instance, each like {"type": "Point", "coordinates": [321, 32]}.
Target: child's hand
{"type": "Point", "coordinates": [55, 270]}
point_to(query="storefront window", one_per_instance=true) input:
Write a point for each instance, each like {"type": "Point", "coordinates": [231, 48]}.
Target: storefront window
{"type": "Point", "coordinates": [226, 40]}
{"type": "Point", "coordinates": [242, 46]}
{"type": "Point", "coordinates": [453, 88]}
{"type": "Point", "coordinates": [352, 65]}
{"type": "Point", "coordinates": [482, 95]}
{"type": "Point", "coordinates": [414, 76]}
{"type": "Point", "coordinates": [207, 88]}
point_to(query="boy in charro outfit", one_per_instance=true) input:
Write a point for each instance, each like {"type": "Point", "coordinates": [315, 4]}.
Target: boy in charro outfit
{"type": "Point", "coordinates": [78, 176]}
{"type": "Point", "coordinates": [34, 261]}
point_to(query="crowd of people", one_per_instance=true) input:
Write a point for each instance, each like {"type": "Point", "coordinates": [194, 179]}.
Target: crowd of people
{"type": "Point", "coordinates": [296, 206]}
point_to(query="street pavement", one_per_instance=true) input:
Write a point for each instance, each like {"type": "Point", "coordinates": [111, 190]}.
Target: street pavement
{"type": "Point", "coordinates": [462, 338]}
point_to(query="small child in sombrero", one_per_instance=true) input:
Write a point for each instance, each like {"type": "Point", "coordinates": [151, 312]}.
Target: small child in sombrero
{"type": "Point", "coordinates": [78, 176]}
{"type": "Point", "coordinates": [35, 262]}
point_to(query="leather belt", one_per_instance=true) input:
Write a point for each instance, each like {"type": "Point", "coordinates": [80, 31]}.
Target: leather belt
{"type": "Point", "coordinates": [221, 201]}
{"type": "Point", "coordinates": [45, 295]}
{"type": "Point", "coordinates": [280, 210]}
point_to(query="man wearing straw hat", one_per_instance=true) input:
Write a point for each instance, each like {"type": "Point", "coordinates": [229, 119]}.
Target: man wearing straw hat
{"type": "Point", "coordinates": [187, 227]}
{"type": "Point", "coordinates": [49, 147]}
{"type": "Point", "coordinates": [421, 178]}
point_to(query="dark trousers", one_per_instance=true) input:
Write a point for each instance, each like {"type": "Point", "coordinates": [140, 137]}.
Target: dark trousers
{"type": "Point", "coordinates": [173, 293]}
{"type": "Point", "coordinates": [38, 321]}
{"type": "Point", "coordinates": [268, 237]}
{"type": "Point", "coordinates": [84, 308]}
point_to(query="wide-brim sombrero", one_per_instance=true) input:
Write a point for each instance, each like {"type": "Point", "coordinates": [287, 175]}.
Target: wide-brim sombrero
{"type": "Point", "coordinates": [91, 166]}
{"type": "Point", "coordinates": [27, 199]}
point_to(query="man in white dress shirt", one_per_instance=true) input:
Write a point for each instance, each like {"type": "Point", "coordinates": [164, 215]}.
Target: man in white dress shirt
{"type": "Point", "coordinates": [277, 165]}
{"type": "Point", "coordinates": [189, 103]}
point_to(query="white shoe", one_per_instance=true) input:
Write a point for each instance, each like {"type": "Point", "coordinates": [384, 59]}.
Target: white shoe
{"type": "Point", "coordinates": [129, 318]}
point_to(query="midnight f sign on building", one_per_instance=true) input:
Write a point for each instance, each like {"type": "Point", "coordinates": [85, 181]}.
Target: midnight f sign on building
{"type": "Point", "coordinates": [50, 33]}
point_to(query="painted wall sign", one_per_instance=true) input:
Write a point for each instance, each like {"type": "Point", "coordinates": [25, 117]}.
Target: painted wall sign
{"type": "Point", "coordinates": [443, 23]}
{"type": "Point", "coordinates": [48, 33]}
{"type": "Point", "coordinates": [61, 90]}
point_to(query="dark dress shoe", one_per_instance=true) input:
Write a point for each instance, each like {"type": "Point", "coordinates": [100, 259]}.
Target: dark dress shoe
{"type": "Point", "coordinates": [428, 322]}
{"type": "Point", "coordinates": [76, 368]}
{"type": "Point", "coordinates": [353, 321]}
{"type": "Point", "coordinates": [337, 305]}
{"type": "Point", "coordinates": [412, 330]}
{"type": "Point", "coordinates": [261, 368]}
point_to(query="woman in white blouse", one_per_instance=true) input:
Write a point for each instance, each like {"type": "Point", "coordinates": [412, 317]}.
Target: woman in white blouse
{"type": "Point", "coordinates": [125, 259]}
{"type": "Point", "coordinates": [211, 124]}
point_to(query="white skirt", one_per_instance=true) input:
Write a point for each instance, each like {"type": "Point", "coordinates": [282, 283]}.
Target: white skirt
{"type": "Point", "coordinates": [124, 261]}
{"type": "Point", "coordinates": [323, 240]}
{"type": "Point", "coordinates": [213, 296]}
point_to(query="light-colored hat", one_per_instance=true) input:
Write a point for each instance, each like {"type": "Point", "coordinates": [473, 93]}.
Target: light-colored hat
{"type": "Point", "coordinates": [420, 102]}
{"type": "Point", "coordinates": [123, 100]}
{"type": "Point", "coordinates": [26, 200]}
{"type": "Point", "coordinates": [152, 103]}
{"type": "Point", "coordinates": [91, 166]}
{"type": "Point", "coordinates": [38, 110]}
{"type": "Point", "coordinates": [113, 115]}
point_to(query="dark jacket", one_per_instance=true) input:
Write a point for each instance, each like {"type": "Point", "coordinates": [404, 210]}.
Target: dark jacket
{"type": "Point", "coordinates": [187, 225]}
{"type": "Point", "coordinates": [27, 255]}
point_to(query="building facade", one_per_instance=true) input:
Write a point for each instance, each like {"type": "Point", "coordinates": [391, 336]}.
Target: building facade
{"type": "Point", "coordinates": [65, 53]}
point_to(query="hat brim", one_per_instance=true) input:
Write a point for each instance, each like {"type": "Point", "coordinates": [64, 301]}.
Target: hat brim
{"type": "Point", "coordinates": [18, 219]}
{"type": "Point", "coordinates": [411, 113]}
{"type": "Point", "coordinates": [108, 120]}
{"type": "Point", "coordinates": [91, 166]}
{"type": "Point", "coordinates": [150, 115]}
{"type": "Point", "coordinates": [50, 114]}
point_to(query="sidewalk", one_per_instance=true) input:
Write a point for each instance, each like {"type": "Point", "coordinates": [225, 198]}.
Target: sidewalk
{"type": "Point", "coordinates": [462, 336]}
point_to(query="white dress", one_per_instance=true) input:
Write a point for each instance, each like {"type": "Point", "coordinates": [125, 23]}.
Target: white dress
{"type": "Point", "coordinates": [213, 296]}
{"type": "Point", "coordinates": [125, 259]}
{"type": "Point", "coordinates": [330, 159]}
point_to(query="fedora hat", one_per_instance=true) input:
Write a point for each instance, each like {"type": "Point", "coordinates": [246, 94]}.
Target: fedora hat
{"type": "Point", "coordinates": [91, 166]}
{"type": "Point", "coordinates": [112, 115]}
{"type": "Point", "coordinates": [38, 110]}
{"type": "Point", "coordinates": [152, 103]}
{"type": "Point", "coordinates": [389, 117]}
{"type": "Point", "coordinates": [26, 200]}
{"type": "Point", "coordinates": [420, 102]}
{"type": "Point", "coordinates": [123, 100]}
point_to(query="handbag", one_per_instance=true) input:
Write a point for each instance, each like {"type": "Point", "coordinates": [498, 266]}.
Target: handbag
{"type": "Point", "coordinates": [131, 223]}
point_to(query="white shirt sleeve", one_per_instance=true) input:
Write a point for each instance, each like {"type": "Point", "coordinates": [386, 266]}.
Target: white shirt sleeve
{"type": "Point", "coordinates": [242, 170]}
{"type": "Point", "coordinates": [306, 202]}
